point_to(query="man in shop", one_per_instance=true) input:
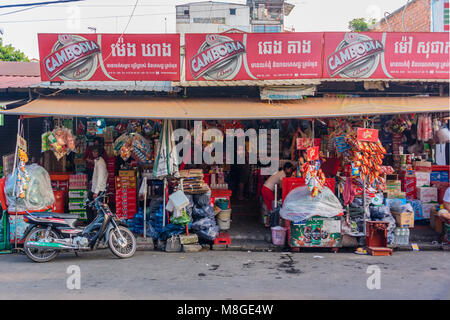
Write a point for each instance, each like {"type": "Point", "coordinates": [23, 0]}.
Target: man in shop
{"type": "Point", "coordinates": [89, 157]}
{"type": "Point", "coordinates": [275, 179]}
{"type": "Point", "coordinates": [444, 213]}
{"type": "Point", "coordinates": [99, 179]}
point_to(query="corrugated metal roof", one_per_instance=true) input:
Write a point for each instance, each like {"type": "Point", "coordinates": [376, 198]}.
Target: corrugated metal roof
{"type": "Point", "coordinates": [156, 86]}
{"type": "Point", "coordinates": [289, 82]}
{"type": "Point", "coordinates": [257, 83]}
{"type": "Point", "coordinates": [16, 68]}
{"type": "Point", "coordinates": [12, 82]}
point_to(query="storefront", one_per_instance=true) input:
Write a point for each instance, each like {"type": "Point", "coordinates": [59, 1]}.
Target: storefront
{"type": "Point", "coordinates": [332, 121]}
{"type": "Point", "coordinates": [356, 157]}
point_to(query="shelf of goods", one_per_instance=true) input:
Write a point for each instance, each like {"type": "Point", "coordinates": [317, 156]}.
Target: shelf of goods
{"type": "Point", "coordinates": [316, 231]}
{"type": "Point", "coordinates": [78, 194]}
{"type": "Point", "coordinates": [126, 206]}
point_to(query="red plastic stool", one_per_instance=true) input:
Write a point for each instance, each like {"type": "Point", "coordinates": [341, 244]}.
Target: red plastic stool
{"type": "Point", "coordinates": [223, 239]}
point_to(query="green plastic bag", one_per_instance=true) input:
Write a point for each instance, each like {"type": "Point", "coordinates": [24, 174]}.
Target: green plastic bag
{"type": "Point", "coordinates": [181, 220]}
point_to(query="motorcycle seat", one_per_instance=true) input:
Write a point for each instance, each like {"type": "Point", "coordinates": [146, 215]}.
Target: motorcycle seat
{"type": "Point", "coordinates": [55, 215]}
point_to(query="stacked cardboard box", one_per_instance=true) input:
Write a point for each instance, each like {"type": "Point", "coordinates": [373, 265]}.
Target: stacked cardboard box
{"type": "Point", "coordinates": [428, 196]}
{"type": "Point", "coordinates": [111, 168]}
{"type": "Point", "coordinates": [78, 194]}
{"type": "Point", "coordinates": [126, 194]}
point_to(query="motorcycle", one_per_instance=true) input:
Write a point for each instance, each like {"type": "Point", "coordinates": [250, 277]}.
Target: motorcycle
{"type": "Point", "coordinates": [51, 233]}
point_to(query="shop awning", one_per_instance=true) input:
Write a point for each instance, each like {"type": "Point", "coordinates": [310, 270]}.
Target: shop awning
{"type": "Point", "coordinates": [225, 108]}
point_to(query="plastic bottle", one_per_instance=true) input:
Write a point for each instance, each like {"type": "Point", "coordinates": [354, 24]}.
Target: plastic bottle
{"type": "Point", "coordinates": [407, 236]}
{"type": "Point", "coordinates": [396, 236]}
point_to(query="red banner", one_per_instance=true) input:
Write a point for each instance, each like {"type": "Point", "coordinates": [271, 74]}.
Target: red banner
{"type": "Point", "coordinates": [396, 55]}
{"type": "Point", "coordinates": [305, 143]}
{"type": "Point", "coordinates": [109, 57]}
{"type": "Point", "coordinates": [365, 134]}
{"type": "Point", "coordinates": [253, 56]}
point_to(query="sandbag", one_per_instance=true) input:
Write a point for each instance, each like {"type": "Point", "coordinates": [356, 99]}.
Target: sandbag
{"type": "Point", "coordinates": [39, 194]}
{"type": "Point", "coordinates": [299, 205]}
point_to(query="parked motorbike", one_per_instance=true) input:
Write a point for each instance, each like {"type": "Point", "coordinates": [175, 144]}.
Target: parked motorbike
{"type": "Point", "coordinates": [52, 233]}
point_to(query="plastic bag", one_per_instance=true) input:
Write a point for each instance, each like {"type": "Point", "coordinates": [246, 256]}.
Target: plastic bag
{"type": "Point", "coordinates": [377, 213]}
{"type": "Point", "coordinates": [181, 220]}
{"type": "Point", "coordinates": [202, 200]}
{"type": "Point", "coordinates": [402, 208]}
{"type": "Point", "coordinates": [203, 212]}
{"type": "Point", "coordinates": [39, 194]}
{"type": "Point", "coordinates": [299, 205]}
{"type": "Point", "coordinates": [208, 234]}
{"type": "Point", "coordinates": [204, 223]}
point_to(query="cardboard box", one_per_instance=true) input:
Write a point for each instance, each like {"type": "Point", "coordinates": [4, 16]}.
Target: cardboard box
{"type": "Point", "coordinates": [404, 219]}
{"type": "Point", "coordinates": [127, 173]}
{"type": "Point", "coordinates": [395, 194]}
{"type": "Point", "coordinates": [439, 176]}
{"type": "Point", "coordinates": [395, 202]}
{"type": "Point", "coordinates": [427, 207]}
{"type": "Point", "coordinates": [422, 178]}
{"type": "Point", "coordinates": [422, 164]}
{"type": "Point", "coordinates": [427, 194]}
{"type": "Point", "coordinates": [418, 209]}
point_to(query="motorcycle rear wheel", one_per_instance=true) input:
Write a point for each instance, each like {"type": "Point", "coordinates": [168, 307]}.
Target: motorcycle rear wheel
{"type": "Point", "coordinates": [122, 250]}
{"type": "Point", "coordinates": [40, 255]}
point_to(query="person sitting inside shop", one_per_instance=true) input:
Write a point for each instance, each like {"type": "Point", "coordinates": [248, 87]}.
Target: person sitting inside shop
{"type": "Point", "coordinates": [444, 213]}
{"type": "Point", "coordinates": [275, 179]}
{"type": "Point", "coordinates": [99, 179]}
{"type": "Point", "coordinates": [89, 157]}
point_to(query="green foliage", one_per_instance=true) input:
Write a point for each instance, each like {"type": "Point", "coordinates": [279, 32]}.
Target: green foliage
{"type": "Point", "coordinates": [360, 24]}
{"type": "Point", "coordinates": [9, 53]}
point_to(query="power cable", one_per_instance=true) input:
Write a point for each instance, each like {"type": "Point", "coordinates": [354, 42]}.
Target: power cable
{"type": "Point", "coordinates": [36, 3]}
{"type": "Point", "coordinates": [107, 17]}
{"type": "Point", "coordinates": [16, 11]}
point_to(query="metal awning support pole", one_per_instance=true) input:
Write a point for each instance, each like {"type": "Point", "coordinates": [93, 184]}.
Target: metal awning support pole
{"type": "Point", "coordinates": [145, 207]}
{"type": "Point", "coordinates": [164, 203]}
{"type": "Point", "coordinates": [19, 124]}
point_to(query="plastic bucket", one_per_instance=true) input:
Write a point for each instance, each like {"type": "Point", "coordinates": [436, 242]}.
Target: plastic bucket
{"type": "Point", "coordinates": [224, 219]}
{"type": "Point", "coordinates": [278, 235]}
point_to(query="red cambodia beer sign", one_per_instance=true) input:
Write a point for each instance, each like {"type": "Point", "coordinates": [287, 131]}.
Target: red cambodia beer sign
{"type": "Point", "coordinates": [109, 57]}
{"type": "Point", "coordinates": [394, 55]}
{"type": "Point", "coordinates": [253, 56]}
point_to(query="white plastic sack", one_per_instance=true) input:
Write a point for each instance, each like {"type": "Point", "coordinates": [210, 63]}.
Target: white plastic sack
{"type": "Point", "coordinates": [39, 194]}
{"type": "Point", "coordinates": [299, 205]}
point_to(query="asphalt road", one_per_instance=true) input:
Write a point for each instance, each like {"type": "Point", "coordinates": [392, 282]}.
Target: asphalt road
{"type": "Point", "coordinates": [228, 275]}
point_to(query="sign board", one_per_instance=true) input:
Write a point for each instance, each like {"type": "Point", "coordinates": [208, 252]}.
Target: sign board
{"type": "Point", "coordinates": [109, 57]}
{"type": "Point", "coordinates": [377, 55]}
{"type": "Point", "coordinates": [253, 56]}
{"type": "Point", "coordinates": [370, 135]}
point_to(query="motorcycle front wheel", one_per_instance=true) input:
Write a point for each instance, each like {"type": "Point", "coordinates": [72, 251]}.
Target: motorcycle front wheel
{"type": "Point", "coordinates": [122, 247]}
{"type": "Point", "coordinates": [37, 254]}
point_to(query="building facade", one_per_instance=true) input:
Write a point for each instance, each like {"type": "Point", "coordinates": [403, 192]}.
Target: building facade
{"type": "Point", "coordinates": [417, 16]}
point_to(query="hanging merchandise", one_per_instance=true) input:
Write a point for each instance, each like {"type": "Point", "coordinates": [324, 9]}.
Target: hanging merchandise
{"type": "Point", "coordinates": [314, 177]}
{"type": "Point", "coordinates": [22, 175]}
{"type": "Point", "coordinates": [367, 157]}
{"type": "Point", "coordinates": [61, 141]}
{"type": "Point", "coordinates": [45, 146]}
{"type": "Point", "coordinates": [81, 128]}
{"type": "Point", "coordinates": [133, 145]}
{"type": "Point", "coordinates": [424, 128]}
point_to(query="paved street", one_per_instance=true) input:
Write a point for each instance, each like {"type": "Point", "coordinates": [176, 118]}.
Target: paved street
{"type": "Point", "coordinates": [228, 275]}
